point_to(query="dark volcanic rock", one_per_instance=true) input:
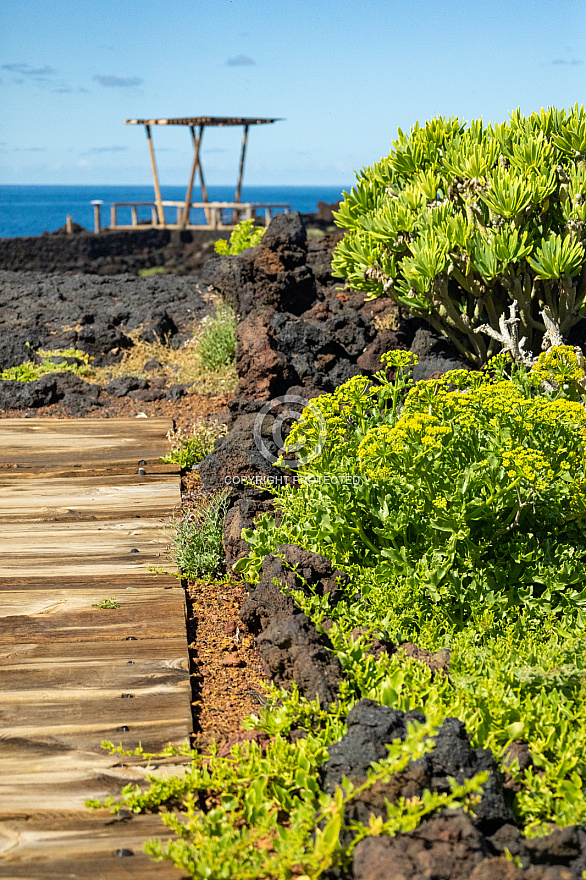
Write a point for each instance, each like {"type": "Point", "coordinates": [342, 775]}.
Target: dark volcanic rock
{"type": "Point", "coordinates": [295, 569]}
{"type": "Point", "coordinates": [448, 846]}
{"type": "Point", "coordinates": [65, 388]}
{"type": "Point", "coordinates": [290, 646]}
{"type": "Point", "coordinates": [371, 727]}
{"type": "Point", "coordinates": [91, 313]}
{"type": "Point", "coordinates": [263, 371]}
{"type": "Point", "coordinates": [123, 385]}
{"type": "Point", "coordinates": [237, 457]}
{"type": "Point", "coordinates": [273, 275]}
{"type": "Point", "coordinates": [293, 652]}
{"type": "Point", "coordinates": [435, 354]}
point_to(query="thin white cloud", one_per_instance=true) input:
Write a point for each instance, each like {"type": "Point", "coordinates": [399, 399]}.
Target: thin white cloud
{"type": "Point", "coordinates": [23, 69]}
{"type": "Point", "coordinates": [113, 149]}
{"type": "Point", "coordinates": [241, 61]}
{"type": "Point", "coordinates": [118, 82]}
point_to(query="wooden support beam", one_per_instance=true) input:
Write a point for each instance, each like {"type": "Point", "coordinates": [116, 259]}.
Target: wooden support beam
{"type": "Point", "coordinates": [158, 199]}
{"type": "Point", "coordinates": [204, 192]}
{"type": "Point", "coordinates": [240, 173]}
{"type": "Point", "coordinates": [97, 203]}
{"type": "Point", "coordinates": [188, 196]}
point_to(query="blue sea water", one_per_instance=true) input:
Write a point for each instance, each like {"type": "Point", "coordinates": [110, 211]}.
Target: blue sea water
{"type": "Point", "coordinates": [31, 210]}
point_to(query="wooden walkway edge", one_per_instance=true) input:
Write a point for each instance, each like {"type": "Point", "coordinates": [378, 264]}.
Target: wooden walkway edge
{"type": "Point", "coordinates": [79, 524]}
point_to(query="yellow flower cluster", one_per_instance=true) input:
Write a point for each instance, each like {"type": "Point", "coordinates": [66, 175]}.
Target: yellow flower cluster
{"type": "Point", "coordinates": [560, 364]}
{"type": "Point", "coordinates": [411, 431]}
{"type": "Point", "coordinates": [326, 418]}
{"type": "Point", "coordinates": [400, 359]}
{"type": "Point", "coordinates": [530, 465]}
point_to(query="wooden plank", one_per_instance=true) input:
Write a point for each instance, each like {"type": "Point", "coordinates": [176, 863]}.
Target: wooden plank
{"type": "Point", "coordinates": [81, 718]}
{"type": "Point", "coordinates": [89, 653]}
{"type": "Point", "coordinates": [68, 442]}
{"type": "Point", "coordinates": [125, 675]}
{"type": "Point", "coordinates": [107, 584]}
{"type": "Point", "coordinates": [117, 497]}
{"type": "Point", "coordinates": [51, 777]}
{"type": "Point", "coordinates": [25, 471]}
{"type": "Point", "coordinates": [80, 845]}
{"type": "Point", "coordinates": [78, 549]}
{"type": "Point", "coordinates": [72, 507]}
{"type": "Point", "coordinates": [36, 616]}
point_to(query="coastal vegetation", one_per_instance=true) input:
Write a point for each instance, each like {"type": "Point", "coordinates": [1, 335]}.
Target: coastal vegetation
{"type": "Point", "coordinates": [459, 221]}
{"type": "Point", "coordinates": [452, 510]}
{"type": "Point", "coordinates": [464, 532]}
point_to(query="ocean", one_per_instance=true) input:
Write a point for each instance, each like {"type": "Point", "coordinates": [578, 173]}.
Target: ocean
{"type": "Point", "coordinates": [32, 210]}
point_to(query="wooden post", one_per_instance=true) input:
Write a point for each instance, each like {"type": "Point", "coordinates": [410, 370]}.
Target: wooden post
{"type": "Point", "coordinates": [240, 173]}
{"type": "Point", "coordinates": [134, 215]}
{"type": "Point", "coordinates": [153, 215]}
{"type": "Point", "coordinates": [113, 218]}
{"type": "Point", "coordinates": [97, 203]}
{"type": "Point", "coordinates": [69, 224]}
{"type": "Point", "coordinates": [159, 201]}
{"type": "Point", "coordinates": [188, 196]}
{"type": "Point", "coordinates": [204, 192]}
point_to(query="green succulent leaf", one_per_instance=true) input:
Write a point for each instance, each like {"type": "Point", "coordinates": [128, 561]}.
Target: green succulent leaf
{"type": "Point", "coordinates": [558, 258]}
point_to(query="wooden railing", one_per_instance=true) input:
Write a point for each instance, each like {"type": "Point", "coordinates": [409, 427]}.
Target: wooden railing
{"type": "Point", "coordinates": [214, 214]}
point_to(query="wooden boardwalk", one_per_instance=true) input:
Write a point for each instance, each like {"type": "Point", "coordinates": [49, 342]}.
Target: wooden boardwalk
{"type": "Point", "coordinates": [78, 524]}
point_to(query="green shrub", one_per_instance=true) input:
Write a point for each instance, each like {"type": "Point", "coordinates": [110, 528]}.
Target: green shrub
{"type": "Point", "coordinates": [457, 222]}
{"type": "Point", "coordinates": [197, 536]}
{"type": "Point", "coordinates": [188, 450]}
{"type": "Point", "coordinates": [472, 484]}
{"type": "Point", "coordinates": [217, 346]}
{"type": "Point", "coordinates": [32, 370]}
{"type": "Point", "coordinates": [465, 529]}
{"type": "Point", "coordinates": [243, 236]}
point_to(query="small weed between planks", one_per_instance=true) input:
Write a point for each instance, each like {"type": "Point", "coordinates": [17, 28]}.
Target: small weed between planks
{"type": "Point", "coordinates": [104, 604]}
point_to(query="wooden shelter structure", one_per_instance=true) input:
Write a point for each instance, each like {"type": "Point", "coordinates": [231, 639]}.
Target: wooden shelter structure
{"type": "Point", "coordinates": [214, 211]}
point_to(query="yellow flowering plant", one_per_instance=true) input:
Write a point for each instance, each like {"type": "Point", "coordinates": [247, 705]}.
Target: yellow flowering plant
{"type": "Point", "coordinates": [473, 483]}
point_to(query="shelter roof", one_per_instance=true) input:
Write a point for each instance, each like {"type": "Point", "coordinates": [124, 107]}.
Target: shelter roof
{"type": "Point", "coordinates": [203, 120]}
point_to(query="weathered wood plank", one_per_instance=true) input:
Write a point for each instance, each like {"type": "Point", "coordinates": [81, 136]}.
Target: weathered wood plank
{"type": "Point", "coordinates": [60, 779]}
{"type": "Point", "coordinates": [104, 582]}
{"type": "Point", "coordinates": [88, 497]}
{"type": "Point", "coordinates": [88, 653]}
{"type": "Point", "coordinates": [69, 615]}
{"type": "Point", "coordinates": [78, 549]}
{"type": "Point", "coordinates": [72, 507]}
{"type": "Point", "coordinates": [25, 471]}
{"type": "Point", "coordinates": [79, 845]}
{"type": "Point", "coordinates": [81, 718]}
{"type": "Point", "coordinates": [68, 442]}
{"type": "Point", "coordinates": [60, 672]}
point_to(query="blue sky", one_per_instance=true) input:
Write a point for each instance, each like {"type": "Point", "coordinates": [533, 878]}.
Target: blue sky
{"type": "Point", "coordinates": [344, 74]}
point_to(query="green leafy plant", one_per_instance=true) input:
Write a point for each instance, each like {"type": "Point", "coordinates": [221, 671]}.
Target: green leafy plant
{"type": "Point", "coordinates": [188, 449]}
{"type": "Point", "coordinates": [106, 604]}
{"type": "Point", "coordinates": [196, 533]}
{"type": "Point", "coordinates": [153, 270]}
{"type": "Point", "coordinates": [217, 344]}
{"type": "Point", "coordinates": [243, 236]}
{"type": "Point", "coordinates": [228, 817]}
{"type": "Point", "coordinates": [457, 222]}
{"type": "Point", "coordinates": [50, 362]}
{"type": "Point", "coordinates": [457, 505]}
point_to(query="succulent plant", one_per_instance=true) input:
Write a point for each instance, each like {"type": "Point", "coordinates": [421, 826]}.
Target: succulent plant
{"type": "Point", "coordinates": [459, 221]}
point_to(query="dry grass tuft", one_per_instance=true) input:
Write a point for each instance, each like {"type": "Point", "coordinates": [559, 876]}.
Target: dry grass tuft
{"type": "Point", "coordinates": [178, 365]}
